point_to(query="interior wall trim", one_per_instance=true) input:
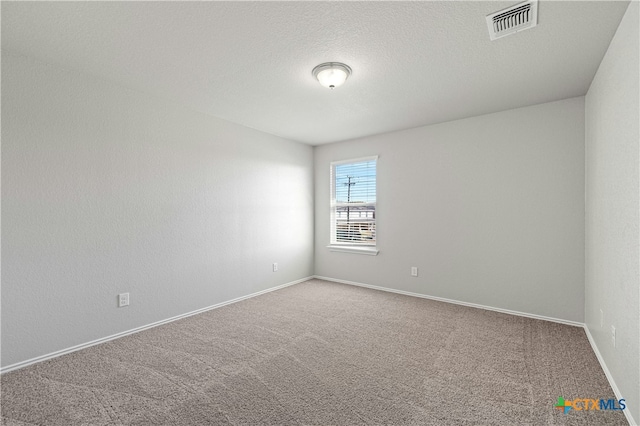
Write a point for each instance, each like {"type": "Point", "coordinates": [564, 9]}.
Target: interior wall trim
{"type": "Point", "coordinates": [56, 354]}
{"type": "Point", "coordinates": [607, 373]}
{"type": "Point", "coordinates": [592, 342]}
{"type": "Point", "coordinates": [456, 302]}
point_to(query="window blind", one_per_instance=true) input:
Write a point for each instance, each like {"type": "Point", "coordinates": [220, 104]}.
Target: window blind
{"type": "Point", "coordinates": [353, 203]}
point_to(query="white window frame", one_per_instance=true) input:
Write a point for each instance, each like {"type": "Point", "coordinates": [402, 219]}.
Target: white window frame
{"type": "Point", "coordinates": [334, 245]}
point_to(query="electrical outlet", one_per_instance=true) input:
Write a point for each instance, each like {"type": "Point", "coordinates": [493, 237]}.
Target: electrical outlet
{"type": "Point", "coordinates": [613, 336]}
{"type": "Point", "coordinates": [275, 267]}
{"type": "Point", "coordinates": [123, 300]}
{"type": "Point", "coordinates": [414, 271]}
{"type": "Point", "coordinates": [601, 318]}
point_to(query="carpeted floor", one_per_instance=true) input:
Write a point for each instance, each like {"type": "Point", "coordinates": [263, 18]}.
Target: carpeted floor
{"type": "Point", "coordinates": [321, 353]}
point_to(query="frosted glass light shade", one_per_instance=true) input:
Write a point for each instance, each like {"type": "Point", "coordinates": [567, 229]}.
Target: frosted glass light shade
{"type": "Point", "coordinates": [332, 74]}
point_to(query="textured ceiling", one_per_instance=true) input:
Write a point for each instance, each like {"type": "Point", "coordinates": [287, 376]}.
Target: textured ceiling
{"type": "Point", "coordinates": [414, 63]}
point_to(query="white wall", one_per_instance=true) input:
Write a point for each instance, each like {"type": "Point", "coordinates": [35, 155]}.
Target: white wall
{"type": "Point", "coordinates": [613, 208]}
{"type": "Point", "coordinates": [106, 190]}
{"type": "Point", "coordinates": [490, 209]}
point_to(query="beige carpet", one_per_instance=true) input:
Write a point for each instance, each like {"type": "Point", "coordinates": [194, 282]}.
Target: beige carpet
{"type": "Point", "coordinates": [321, 353]}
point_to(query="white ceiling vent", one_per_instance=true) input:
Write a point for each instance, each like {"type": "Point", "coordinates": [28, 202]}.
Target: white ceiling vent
{"type": "Point", "coordinates": [521, 16]}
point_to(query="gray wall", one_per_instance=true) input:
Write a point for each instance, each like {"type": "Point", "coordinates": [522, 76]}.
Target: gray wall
{"type": "Point", "coordinates": [613, 209]}
{"type": "Point", "coordinates": [106, 190]}
{"type": "Point", "coordinates": [490, 209]}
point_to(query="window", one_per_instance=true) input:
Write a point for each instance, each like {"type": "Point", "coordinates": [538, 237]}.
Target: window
{"type": "Point", "coordinates": [353, 205]}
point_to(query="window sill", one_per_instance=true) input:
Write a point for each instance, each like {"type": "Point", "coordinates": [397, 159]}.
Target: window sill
{"type": "Point", "coordinates": [370, 250]}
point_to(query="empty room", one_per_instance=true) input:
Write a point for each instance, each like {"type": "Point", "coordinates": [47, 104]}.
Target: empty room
{"type": "Point", "coordinates": [320, 213]}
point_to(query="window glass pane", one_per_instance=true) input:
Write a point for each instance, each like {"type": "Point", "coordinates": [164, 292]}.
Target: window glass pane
{"type": "Point", "coordinates": [354, 208]}
{"type": "Point", "coordinates": [356, 182]}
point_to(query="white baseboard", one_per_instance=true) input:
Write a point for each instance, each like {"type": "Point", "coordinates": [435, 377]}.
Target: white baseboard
{"type": "Point", "coordinates": [55, 354]}
{"type": "Point", "coordinates": [456, 302]}
{"type": "Point", "coordinates": [607, 373]}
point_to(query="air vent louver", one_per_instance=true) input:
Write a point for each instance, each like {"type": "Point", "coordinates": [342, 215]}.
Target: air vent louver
{"type": "Point", "coordinates": [516, 18]}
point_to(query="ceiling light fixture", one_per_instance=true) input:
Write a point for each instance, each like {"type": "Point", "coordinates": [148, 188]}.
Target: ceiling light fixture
{"type": "Point", "coordinates": [332, 74]}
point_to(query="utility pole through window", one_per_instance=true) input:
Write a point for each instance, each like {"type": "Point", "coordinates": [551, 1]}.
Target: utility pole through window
{"type": "Point", "coordinates": [349, 184]}
{"type": "Point", "coordinates": [357, 229]}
